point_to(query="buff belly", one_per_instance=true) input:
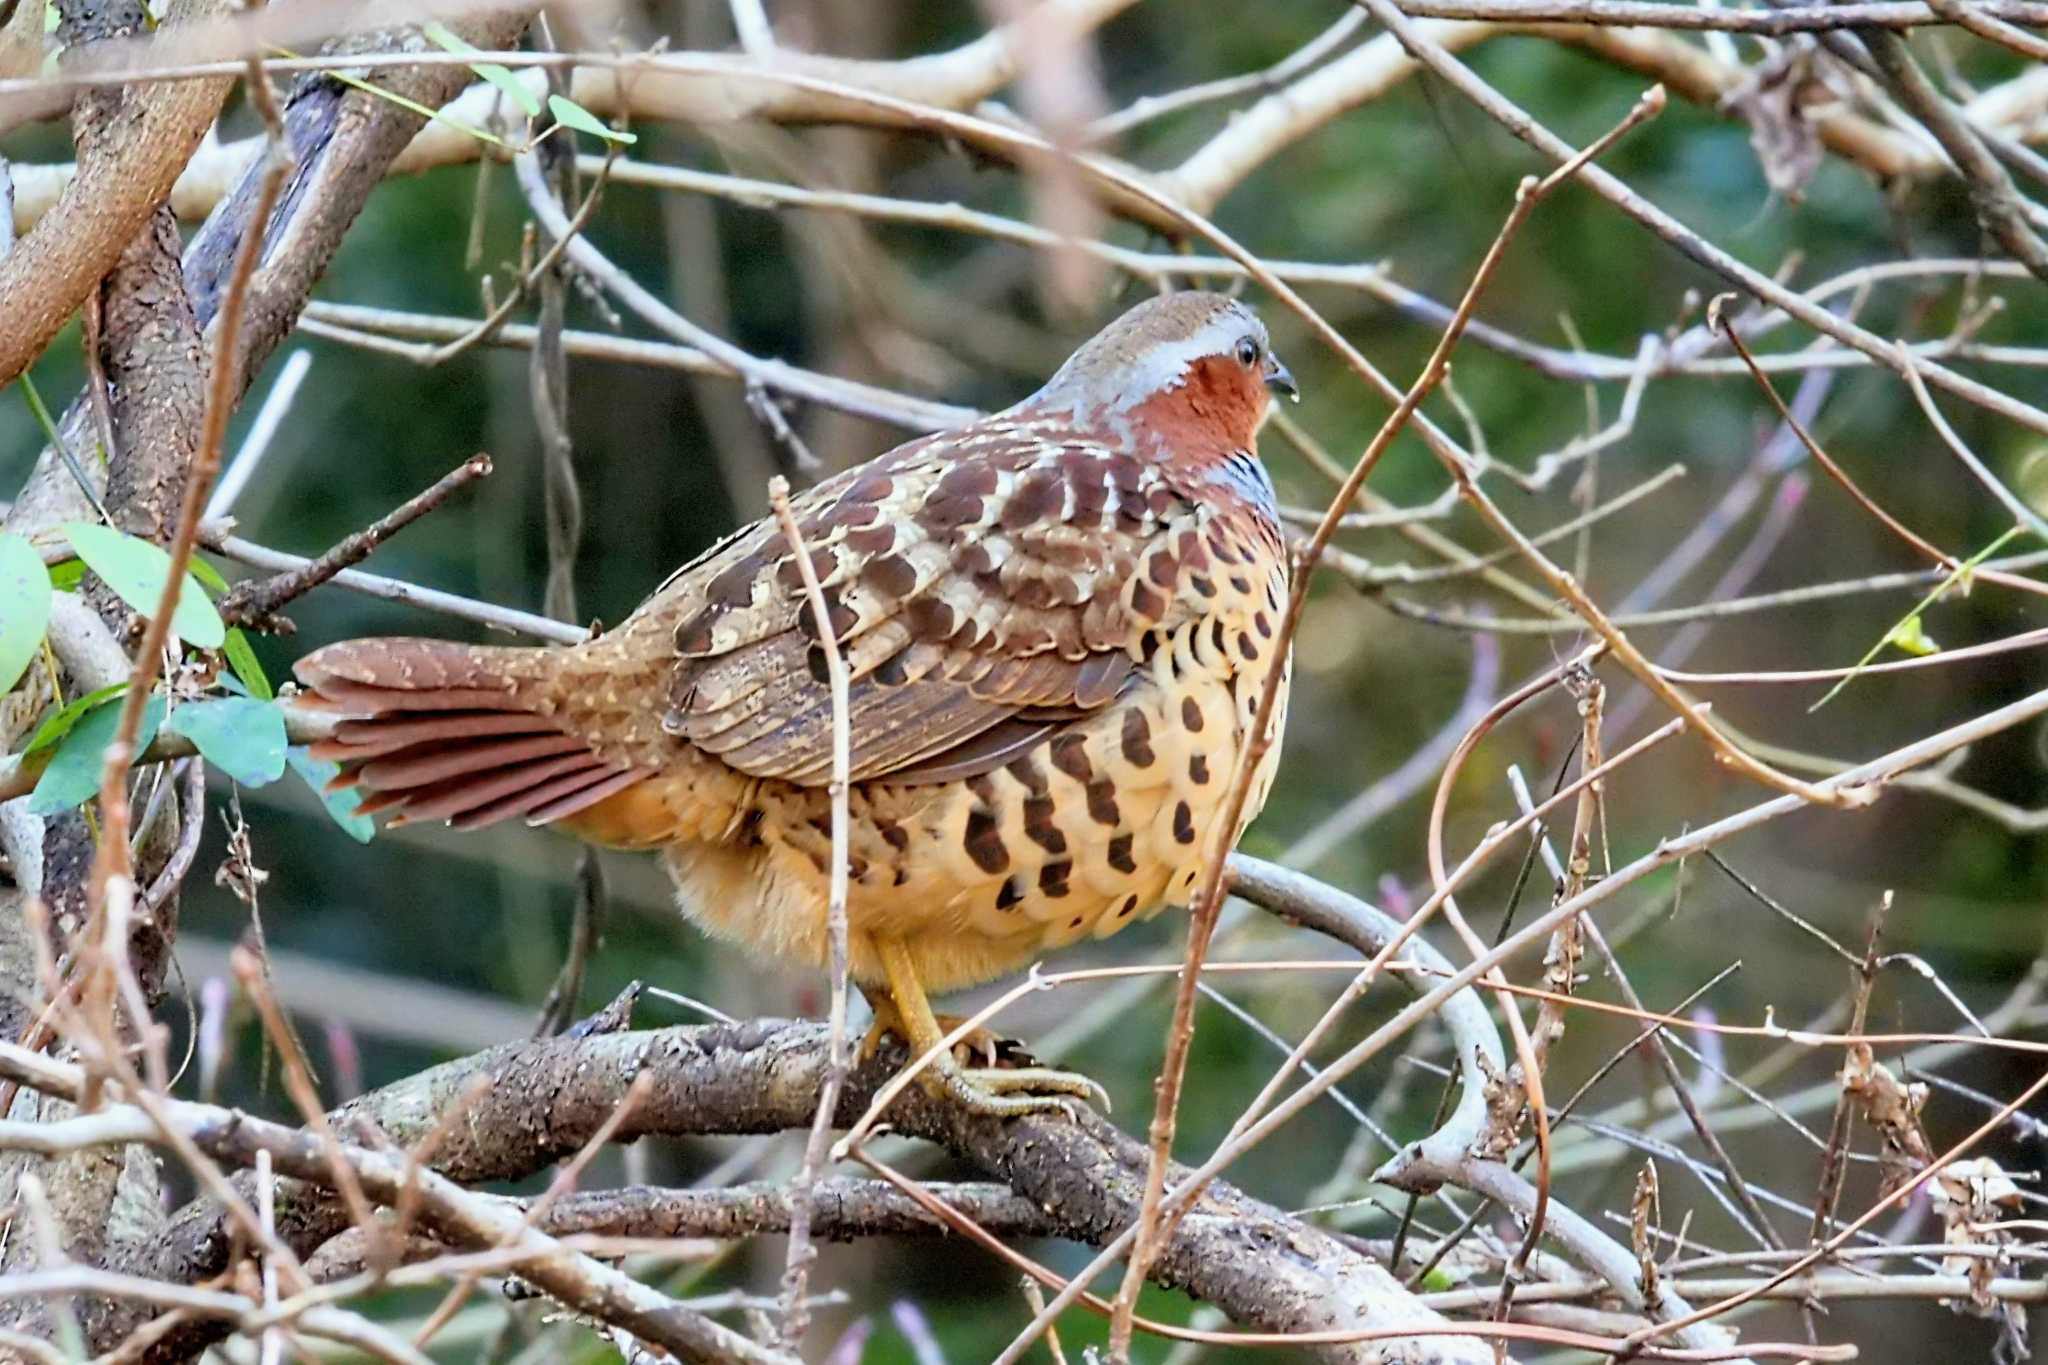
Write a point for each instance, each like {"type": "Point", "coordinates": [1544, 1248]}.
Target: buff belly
{"type": "Point", "coordinates": [1103, 825]}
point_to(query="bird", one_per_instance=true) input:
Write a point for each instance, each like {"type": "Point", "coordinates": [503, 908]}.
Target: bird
{"type": "Point", "coordinates": [1057, 621]}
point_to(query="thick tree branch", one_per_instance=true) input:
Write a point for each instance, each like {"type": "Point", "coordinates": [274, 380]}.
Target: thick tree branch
{"type": "Point", "coordinates": [131, 146]}
{"type": "Point", "coordinates": [545, 1097]}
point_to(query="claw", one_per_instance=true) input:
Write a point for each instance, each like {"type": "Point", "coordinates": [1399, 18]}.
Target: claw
{"type": "Point", "coordinates": [1008, 1082]}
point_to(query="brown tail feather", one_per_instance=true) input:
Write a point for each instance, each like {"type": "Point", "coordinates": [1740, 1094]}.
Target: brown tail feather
{"type": "Point", "coordinates": [440, 731]}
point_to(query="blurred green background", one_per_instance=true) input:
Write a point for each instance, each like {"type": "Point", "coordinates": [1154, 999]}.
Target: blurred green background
{"type": "Point", "coordinates": [436, 944]}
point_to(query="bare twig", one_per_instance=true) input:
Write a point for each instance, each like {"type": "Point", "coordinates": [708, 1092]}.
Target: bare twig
{"type": "Point", "coordinates": [795, 1317]}
{"type": "Point", "coordinates": [256, 603]}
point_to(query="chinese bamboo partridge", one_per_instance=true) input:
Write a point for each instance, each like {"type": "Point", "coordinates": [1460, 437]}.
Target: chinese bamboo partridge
{"type": "Point", "coordinates": [1058, 622]}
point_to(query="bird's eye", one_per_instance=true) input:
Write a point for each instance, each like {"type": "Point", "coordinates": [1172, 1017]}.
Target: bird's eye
{"type": "Point", "coordinates": [1247, 352]}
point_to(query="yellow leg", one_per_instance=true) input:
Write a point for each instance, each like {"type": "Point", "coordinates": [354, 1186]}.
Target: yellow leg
{"type": "Point", "coordinates": [904, 1009]}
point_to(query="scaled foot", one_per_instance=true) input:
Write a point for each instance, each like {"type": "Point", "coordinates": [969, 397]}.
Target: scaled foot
{"type": "Point", "coordinates": [982, 1071]}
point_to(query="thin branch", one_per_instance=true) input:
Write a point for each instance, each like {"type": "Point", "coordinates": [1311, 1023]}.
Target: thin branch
{"type": "Point", "coordinates": [256, 603]}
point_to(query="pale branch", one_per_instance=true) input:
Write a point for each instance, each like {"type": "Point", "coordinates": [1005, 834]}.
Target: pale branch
{"type": "Point", "coordinates": [256, 602]}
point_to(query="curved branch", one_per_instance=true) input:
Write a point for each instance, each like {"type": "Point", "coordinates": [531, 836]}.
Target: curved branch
{"type": "Point", "coordinates": [132, 146]}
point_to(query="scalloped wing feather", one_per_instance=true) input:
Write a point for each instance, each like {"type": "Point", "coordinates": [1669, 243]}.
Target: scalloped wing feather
{"type": "Point", "coordinates": [985, 587]}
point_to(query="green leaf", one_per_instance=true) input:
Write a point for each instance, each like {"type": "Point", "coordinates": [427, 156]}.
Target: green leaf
{"type": "Point", "coordinates": [24, 607]}
{"type": "Point", "coordinates": [411, 105]}
{"type": "Point", "coordinates": [136, 570]}
{"type": "Point", "coordinates": [241, 736]}
{"type": "Point", "coordinates": [67, 574]}
{"type": "Point", "coordinates": [1911, 636]}
{"type": "Point", "coordinates": [74, 772]}
{"type": "Point", "coordinates": [1909, 632]}
{"type": "Point", "coordinates": [58, 724]}
{"type": "Point", "coordinates": [341, 805]}
{"type": "Point", "coordinates": [242, 658]}
{"type": "Point", "coordinates": [208, 576]}
{"type": "Point", "coordinates": [570, 114]}
{"type": "Point", "coordinates": [497, 75]}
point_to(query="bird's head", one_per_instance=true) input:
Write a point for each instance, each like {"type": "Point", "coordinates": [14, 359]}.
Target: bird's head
{"type": "Point", "coordinates": [1197, 366]}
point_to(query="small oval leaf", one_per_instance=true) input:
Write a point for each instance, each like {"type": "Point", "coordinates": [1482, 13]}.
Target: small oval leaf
{"type": "Point", "coordinates": [136, 570]}
{"type": "Point", "coordinates": [74, 772]}
{"type": "Point", "coordinates": [570, 114]}
{"type": "Point", "coordinates": [241, 736]}
{"type": "Point", "coordinates": [24, 607]}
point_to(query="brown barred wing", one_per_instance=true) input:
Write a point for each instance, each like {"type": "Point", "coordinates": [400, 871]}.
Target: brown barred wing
{"type": "Point", "coordinates": [985, 587]}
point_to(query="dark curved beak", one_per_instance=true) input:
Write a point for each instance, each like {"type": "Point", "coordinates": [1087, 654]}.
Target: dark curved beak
{"type": "Point", "coordinates": [1278, 380]}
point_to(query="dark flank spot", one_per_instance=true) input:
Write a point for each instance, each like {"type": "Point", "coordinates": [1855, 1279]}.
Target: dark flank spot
{"type": "Point", "coordinates": [1198, 769]}
{"type": "Point", "coordinates": [1102, 803]}
{"type": "Point", "coordinates": [1203, 584]}
{"type": "Point", "coordinates": [974, 559]}
{"type": "Point", "coordinates": [984, 844]}
{"type": "Point", "coordinates": [1009, 894]}
{"type": "Point", "coordinates": [1240, 584]}
{"type": "Point", "coordinates": [1039, 826]}
{"type": "Point", "coordinates": [1070, 756]}
{"type": "Point", "coordinates": [1183, 823]}
{"type": "Point", "coordinates": [1074, 923]}
{"type": "Point", "coordinates": [984, 790]}
{"type": "Point", "coordinates": [894, 835]}
{"type": "Point", "coordinates": [1137, 739]}
{"type": "Point", "coordinates": [1052, 878]}
{"type": "Point", "coordinates": [1246, 647]}
{"type": "Point", "coordinates": [1146, 601]}
{"type": "Point", "coordinates": [872, 540]}
{"type": "Point", "coordinates": [1028, 774]}
{"type": "Point", "coordinates": [1120, 855]}
{"type": "Point", "coordinates": [1124, 911]}
{"type": "Point", "coordinates": [1191, 552]}
{"type": "Point", "coordinates": [818, 666]}
{"type": "Point", "coordinates": [1263, 625]}
{"type": "Point", "coordinates": [1191, 715]}
{"type": "Point", "coordinates": [1161, 569]}
{"type": "Point", "coordinates": [1219, 545]}
{"type": "Point", "coordinates": [902, 876]}
{"type": "Point", "coordinates": [856, 867]}
{"type": "Point", "coordinates": [890, 575]}
{"type": "Point", "coordinates": [1216, 633]}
